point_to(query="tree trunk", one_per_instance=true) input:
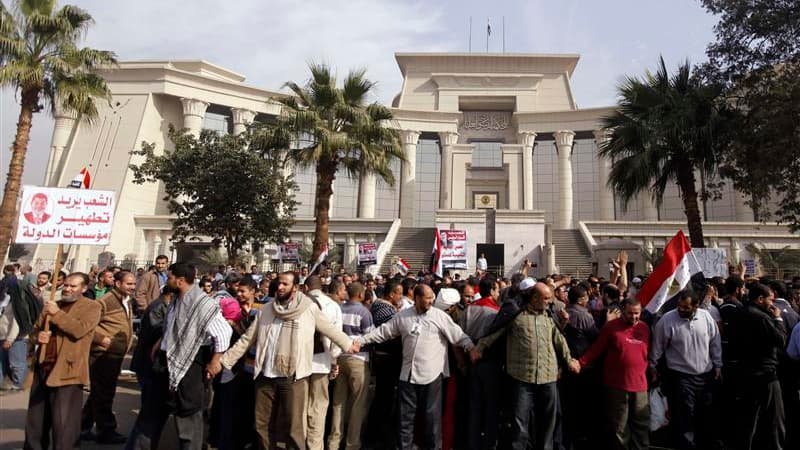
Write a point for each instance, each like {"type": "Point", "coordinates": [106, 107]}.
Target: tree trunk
{"type": "Point", "coordinates": [691, 208]}
{"type": "Point", "coordinates": [8, 209]}
{"type": "Point", "coordinates": [326, 173]}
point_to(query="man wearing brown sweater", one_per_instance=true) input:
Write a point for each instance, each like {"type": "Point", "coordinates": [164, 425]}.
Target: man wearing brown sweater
{"type": "Point", "coordinates": [112, 339]}
{"type": "Point", "coordinates": [58, 380]}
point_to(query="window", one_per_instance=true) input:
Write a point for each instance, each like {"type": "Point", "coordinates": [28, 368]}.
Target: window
{"type": "Point", "coordinates": [427, 182]}
{"type": "Point", "coordinates": [219, 123]}
{"type": "Point", "coordinates": [487, 154]}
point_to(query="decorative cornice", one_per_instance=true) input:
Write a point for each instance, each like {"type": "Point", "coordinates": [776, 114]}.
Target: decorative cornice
{"type": "Point", "coordinates": [194, 107]}
{"type": "Point", "coordinates": [448, 138]}
{"type": "Point", "coordinates": [409, 137]}
{"type": "Point", "coordinates": [526, 138]}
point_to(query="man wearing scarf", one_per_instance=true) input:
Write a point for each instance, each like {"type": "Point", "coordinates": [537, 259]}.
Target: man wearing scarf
{"type": "Point", "coordinates": [195, 335]}
{"type": "Point", "coordinates": [58, 380]}
{"type": "Point", "coordinates": [284, 339]}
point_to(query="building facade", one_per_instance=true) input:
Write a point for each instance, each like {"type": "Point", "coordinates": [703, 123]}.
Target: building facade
{"type": "Point", "coordinates": [480, 132]}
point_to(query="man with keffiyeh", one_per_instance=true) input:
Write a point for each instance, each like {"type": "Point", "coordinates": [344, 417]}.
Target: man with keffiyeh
{"type": "Point", "coordinates": [195, 336]}
{"type": "Point", "coordinates": [283, 337]}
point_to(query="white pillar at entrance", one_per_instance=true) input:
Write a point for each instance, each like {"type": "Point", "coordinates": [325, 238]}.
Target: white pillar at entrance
{"type": "Point", "coordinates": [742, 211]}
{"type": "Point", "coordinates": [408, 177]}
{"type": "Point", "coordinates": [241, 118]}
{"type": "Point", "coordinates": [350, 260]}
{"type": "Point", "coordinates": [564, 140]}
{"type": "Point", "coordinates": [606, 204]}
{"type": "Point", "coordinates": [62, 129]}
{"type": "Point", "coordinates": [155, 245]}
{"type": "Point", "coordinates": [194, 112]}
{"type": "Point", "coordinates": [649, 210]}
{"type": "Point", "coordinates": [526, 139]}
{"type": "Point", "coordinates": [447, 140]}
{"type": "Point", "coordinates": [366, 195]}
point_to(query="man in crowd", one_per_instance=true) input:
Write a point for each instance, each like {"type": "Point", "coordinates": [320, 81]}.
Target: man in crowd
{"type": "Point", "coordinates": [688, 339]}
{"type": "Point", "coordinates": [323, 365]}
{"type": "Point", "coordinates": [105, 282]}
{"type": "Point", "coordinates": [624, 342]}
{"type": "Point", "coordinates": [352, 384]}
{"type": "Point", "coordinates": [484, 404]}
{"type": "Point", "coordinates": [60, 374]}
{"type": "Point", "coordinates": [151, 283]}
{"type": "Point", "coordinates": [425, 333]}
{"type": "Point", "coordinates": [111, 342]}
{"type": "Point", "coordinates": [43, 281]}
{"type": "Point", "coordinates": [535, 349]}
{"type": "Point", "coordinates": [195, 335]}
{"type": "Point", "coordinates": [337, 291]}
{"type": "Point", "coordinates": [760, 336]}
{"type": "Point", "coordinates": [284, 339]}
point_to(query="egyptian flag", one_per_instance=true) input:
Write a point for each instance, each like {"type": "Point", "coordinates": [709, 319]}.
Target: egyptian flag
{"type": "Point", "coordinates": [321, 262]}
{"type": "Point", "coordinates": [402, 266]}
{"type": "Point", "coordinates": [678, 264]}
{"type": "Point", "coordinates": [436, 255]}
{"type": "Point", "coordinates": [82, 180]}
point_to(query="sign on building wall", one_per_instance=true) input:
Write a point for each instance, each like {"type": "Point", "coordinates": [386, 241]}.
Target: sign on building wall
{"type": "Point", "coordinates": [65, 216]}
{"type": "Point", "coordinates": [367, 254]}
{"type": "Point", "coordinates": [713, 261]}
{"type": "Point", "coordinates": [290, 252]}
{"type": "Point", "coordinates": [454, 249]}
{"type": "Point", "coordinates": [485, 200]}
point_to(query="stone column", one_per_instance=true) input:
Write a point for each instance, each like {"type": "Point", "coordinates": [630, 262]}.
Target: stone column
{"type": "Point", "coordinates": [648, 247]}
{"type": "Point", "coordinates": [564, 140]}
{"type": "Point", "coordinates": [366, 195]}
{"type": "Point", "coordinates": [527, 138]}
{"type": "Point", "coordinates": [62, 129]}
{"type": "Point", "coordinates": [155, 245]}
{"type": "Point", "coordinates": [447, 140]}
{"type": "Point", "coordinates": [649, 210]}
{"type": "Point", "coordinates": [742, 211]}
{"type": "Point", "coordinates": [736, 251]}
{"type": "Point", "coordinates": [194, 112]}
{"type": "Point", "coordinates": [408, 177]}
{"type": "Point", "coordinates": [350, 259]}
{"type": "Point", "coordinates": [166, 240]}
{"type": "Point", "coordinates": [241, 118]}
{"type": "Point", "coordinates": [606, 204]}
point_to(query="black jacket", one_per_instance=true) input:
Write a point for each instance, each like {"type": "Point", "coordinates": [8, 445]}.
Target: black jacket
{"type": "Point", "coordinates": [760, 339]}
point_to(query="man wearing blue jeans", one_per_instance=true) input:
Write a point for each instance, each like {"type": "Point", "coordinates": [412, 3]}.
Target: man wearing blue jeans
{"type": "Point", "coordinates": [13, 338]}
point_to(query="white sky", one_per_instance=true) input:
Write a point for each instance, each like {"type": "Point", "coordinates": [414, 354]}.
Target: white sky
{"type": "Point", "coordinates": [271, 41]}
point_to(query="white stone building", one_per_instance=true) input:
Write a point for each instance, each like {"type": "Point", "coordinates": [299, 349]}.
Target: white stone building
{"type": "Point", "coordinates": [479, 130]}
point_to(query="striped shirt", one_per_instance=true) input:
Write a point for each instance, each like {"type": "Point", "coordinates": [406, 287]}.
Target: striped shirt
{"type": "Point", "coordinates": [356, 321]}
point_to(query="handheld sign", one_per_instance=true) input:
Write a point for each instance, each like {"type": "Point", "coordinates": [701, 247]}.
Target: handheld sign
{"type": "Point", "coordinates": [65, 216]}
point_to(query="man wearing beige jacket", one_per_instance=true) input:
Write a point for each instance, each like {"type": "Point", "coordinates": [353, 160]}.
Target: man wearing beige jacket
{"type": "Point", "coordinates": [150, 285]}
{"type": "Point", "coordinates": [111, 342]}
{"type": "Point", "coordinates": [284, 340]}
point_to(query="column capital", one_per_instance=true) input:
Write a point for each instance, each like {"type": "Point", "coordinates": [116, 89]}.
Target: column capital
{"type": "Point", "coordinates": [564, 138]}
{"type": "Point", "coordinates": [527, 138]}
{"type": "Point", "coordinates": [409, 137]}
{"type": "Point", "coordinates": [194, 107]}
{"type": "Point", "coordinates": [448, 138]}
{"type": "Point", "coordinates": [601, 136]}
{"type": "Point", "coordinates": [59, 112]}
{"type": "Point", "coordinates": [242, 116]}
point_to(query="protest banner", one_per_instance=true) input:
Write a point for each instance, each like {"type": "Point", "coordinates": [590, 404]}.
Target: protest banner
{"type": "Point", "coordinates": [454, 249]}
{"type": "Point", "coordinates": [290, 252]}
{"type": "Point", "coordinates": [713, 261]}
{"type": "Point", "coordinates": [367, 254]}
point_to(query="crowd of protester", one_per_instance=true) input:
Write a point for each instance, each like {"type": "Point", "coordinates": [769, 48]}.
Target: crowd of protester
{"type": "Point", "coordinates": [244, 359]}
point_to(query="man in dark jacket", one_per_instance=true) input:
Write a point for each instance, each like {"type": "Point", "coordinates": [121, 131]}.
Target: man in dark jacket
{"type": "Point", "coordinates": [760, 335]}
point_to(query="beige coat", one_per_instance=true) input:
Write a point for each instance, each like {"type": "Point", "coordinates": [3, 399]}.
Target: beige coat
{"type": "Point", "coordinates": [72, 332]}
{"type": "Point", "coordinates": [116, 323]}
{"type": "Point", "coordinates": [147, 290]}
{"type": "Point", "coordinates": [309, 321]}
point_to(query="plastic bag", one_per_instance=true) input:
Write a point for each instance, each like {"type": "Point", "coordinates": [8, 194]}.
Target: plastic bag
{"type": "Point", "coordinates": [658, 409]}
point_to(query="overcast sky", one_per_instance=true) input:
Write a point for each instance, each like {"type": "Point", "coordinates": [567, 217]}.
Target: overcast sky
{"type": "Point", "coordinates": [270, 41]}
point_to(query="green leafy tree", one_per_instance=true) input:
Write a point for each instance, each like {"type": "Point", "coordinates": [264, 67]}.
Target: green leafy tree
{"type": "Point", "coordinates": [41, 61]}
{"type": "Point", "coordinates": [332, 128]}
{"type": "Point", "coordinates": [664, 131]}
{"type": "Point", "coordinates": [755, 58]}
{"type": "Point", "coordinates": [218, 186]}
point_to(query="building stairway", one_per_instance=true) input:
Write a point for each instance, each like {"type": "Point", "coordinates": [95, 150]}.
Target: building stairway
{"type": "Point", "coordinates": [414, 246]}
{"type": "Point", "coordinates": [572, 255]}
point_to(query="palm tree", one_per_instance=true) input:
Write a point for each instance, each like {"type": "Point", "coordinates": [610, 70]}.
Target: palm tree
{"type": "Point", "coordinates": [40, 59]}
{"type": "Point", "coordinates": [664, 130]}
{"type": "Point", "coordinates": [330, 127]}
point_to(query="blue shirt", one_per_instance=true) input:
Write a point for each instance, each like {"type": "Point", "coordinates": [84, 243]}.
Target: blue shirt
{"type": "Point", "coordinates": [793, 350]}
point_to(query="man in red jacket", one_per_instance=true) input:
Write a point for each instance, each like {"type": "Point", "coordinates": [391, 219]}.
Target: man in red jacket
{"type": "Point", "coordinates": [625, 342]}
